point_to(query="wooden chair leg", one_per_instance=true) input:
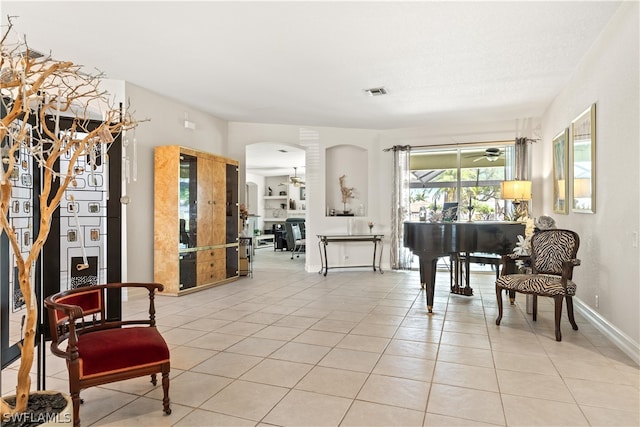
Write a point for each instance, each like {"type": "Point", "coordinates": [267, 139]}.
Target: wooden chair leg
{"type": "Point", "coordinates": [572, 320]}
{"type": "Point", "coordinates": [558, 299]}
{"type": "Point", "coordinates": [154, 379]}
{"type": "Point", "coordinates": [75, 399]}
{"type": "Point", "coordinates": [499, 299]}
{"type": "Point", "coordinates": [165, 389]}
{"type": "Point", "coordinates": [535, 307]}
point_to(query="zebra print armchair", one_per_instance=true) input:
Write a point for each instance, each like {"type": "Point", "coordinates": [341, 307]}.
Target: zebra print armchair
{"type": "Point", "coordinates": [553, 257]}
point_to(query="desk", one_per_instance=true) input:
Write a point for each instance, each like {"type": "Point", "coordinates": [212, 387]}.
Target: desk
{"type": "Point", "coordinates": [325, 239]}
{"type": "Point", "coordinates": [279, 240]}
{"type": "Point", "coordinates": [263, 240]}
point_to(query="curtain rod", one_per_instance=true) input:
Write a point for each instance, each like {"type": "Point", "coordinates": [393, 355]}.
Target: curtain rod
{"type": "Point", "coordinates": [458, 144]}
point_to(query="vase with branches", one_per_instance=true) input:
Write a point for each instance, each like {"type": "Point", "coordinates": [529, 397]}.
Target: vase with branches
{"type": "Point", "coordinates": [345, 192]}
{"type": "Point", "coordinates": [36, 90]}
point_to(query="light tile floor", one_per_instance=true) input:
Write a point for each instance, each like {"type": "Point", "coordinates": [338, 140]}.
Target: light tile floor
{"type": "Point", "coordinates": [356, 348]}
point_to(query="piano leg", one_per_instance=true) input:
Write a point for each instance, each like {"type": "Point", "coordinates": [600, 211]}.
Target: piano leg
{"type": "Point", "coordinates": [428, 278]}
{"type": "Point", "coordinates": [467, 284]}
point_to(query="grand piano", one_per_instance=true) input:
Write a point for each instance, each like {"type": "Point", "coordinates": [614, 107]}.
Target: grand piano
{"type": "Point", "coordinates": [431, 240]}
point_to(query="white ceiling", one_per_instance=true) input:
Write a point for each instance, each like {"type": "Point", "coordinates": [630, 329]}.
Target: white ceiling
{"type": "Point", "coordinates": [308, 63]}
{"type": "Point", "coordinates": [271, 159]}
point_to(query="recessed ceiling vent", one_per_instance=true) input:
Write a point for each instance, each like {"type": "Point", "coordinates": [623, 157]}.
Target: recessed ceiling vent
{"type": "Point", "coordinates": [376, 91]}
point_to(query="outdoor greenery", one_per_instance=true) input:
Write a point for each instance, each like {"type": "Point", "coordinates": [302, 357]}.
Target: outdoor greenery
{"type": "Point", "coordinates": [480, 185]}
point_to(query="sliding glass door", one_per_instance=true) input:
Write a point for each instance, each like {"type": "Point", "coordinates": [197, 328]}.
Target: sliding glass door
{"type": "Point", "coordinates": [460, 183]}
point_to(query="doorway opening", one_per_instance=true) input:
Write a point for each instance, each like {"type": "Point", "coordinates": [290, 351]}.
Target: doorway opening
{"type": "Point", "coordinates": [460, 183]}
{"type": "Point", "coordinates": [467, 178]}
{"type": "Point", "coordinates": [275, 192]}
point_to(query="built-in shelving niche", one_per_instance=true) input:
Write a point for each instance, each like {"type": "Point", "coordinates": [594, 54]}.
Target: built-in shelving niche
{"type": "Point", "coordinates": [353, 162]}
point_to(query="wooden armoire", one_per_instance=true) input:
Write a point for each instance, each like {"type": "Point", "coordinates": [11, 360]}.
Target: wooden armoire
{"type": "Point", "coordinates": [195, 219]}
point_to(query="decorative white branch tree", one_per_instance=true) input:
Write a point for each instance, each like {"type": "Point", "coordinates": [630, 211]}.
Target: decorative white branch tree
{"type": "Point", "coordinates": [36, 89]}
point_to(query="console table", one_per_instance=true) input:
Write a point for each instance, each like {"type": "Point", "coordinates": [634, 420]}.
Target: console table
{"type": "Point", "coordinates": [325, 239]}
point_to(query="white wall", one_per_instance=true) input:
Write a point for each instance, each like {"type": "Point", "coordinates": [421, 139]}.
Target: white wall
{"type": "Point", "coordinates": [340, 161]}
{"type": "Point", "coordinates": [166, 127]}
{"type": "Point", "coordinates": [365, 170]}
{"type": "Point", "coordinates": [258, 180]}
{"type": "Point", "coordinates": [315, 141]}
{"type": "Point", "coordinates": [609, 77]}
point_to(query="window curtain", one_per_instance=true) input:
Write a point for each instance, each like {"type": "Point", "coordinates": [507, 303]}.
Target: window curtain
{"type": "Point", "coordinates": [521, 168]}
{"type": "Point", "coordinates": [521, 164]}
{"type": "Point", "coordinates": [400, 256]}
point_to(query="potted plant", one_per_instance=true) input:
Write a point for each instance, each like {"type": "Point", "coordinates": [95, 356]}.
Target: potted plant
{"type": "Point", "coordinates": [36, 91]}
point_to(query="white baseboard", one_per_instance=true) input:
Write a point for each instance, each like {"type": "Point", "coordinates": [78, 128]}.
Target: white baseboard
{"type": "Point", "coordinates": [619, 338]}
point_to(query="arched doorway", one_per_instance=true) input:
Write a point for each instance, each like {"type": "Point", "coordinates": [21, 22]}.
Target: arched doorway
{"type": "Point", "coordinates": [277, 173]}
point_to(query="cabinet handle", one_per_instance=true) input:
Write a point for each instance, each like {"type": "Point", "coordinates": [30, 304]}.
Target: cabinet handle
{"type": "Point", "coordinates": [211, 202]}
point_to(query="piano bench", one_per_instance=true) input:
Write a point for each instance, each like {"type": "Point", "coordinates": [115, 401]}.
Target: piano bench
{"type": "Point", "coordinates": [479, 258]}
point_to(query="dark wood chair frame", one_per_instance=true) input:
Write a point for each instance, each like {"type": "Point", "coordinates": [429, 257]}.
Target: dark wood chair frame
{"type": "Point", "coordinates": [68, 322]}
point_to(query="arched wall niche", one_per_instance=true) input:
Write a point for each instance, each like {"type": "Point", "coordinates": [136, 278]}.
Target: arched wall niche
{"type": "Point", "coordinates": [351, 161]}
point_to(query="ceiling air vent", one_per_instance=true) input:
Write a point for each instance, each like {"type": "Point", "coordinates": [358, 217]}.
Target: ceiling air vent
{"type": "Point", "coordinates": [376, 91]}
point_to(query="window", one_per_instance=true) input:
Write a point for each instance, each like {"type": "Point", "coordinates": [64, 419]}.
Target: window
{"type": "Point", "coordinates": [470, 176]}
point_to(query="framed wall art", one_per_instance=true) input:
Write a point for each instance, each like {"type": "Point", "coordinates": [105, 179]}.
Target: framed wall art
{"type": "Point", "coordinates": [583, 150]}
{"type": "Point", "coordinates": [561, 172]}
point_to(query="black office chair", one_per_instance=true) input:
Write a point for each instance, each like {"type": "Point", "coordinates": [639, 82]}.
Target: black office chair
{"type": "Point", "coordinates": [296, 242]}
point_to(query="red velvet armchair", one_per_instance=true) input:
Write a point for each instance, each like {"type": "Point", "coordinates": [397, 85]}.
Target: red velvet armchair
{"type": "Point", "coordinates": [98, 351]}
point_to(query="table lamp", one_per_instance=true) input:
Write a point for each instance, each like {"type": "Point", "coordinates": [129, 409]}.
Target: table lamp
{"type": "Point", "coordinates": [520, 192]}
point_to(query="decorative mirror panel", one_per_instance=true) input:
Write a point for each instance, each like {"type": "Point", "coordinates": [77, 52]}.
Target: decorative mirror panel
{"type": "Point", "coordinates": [561, 172]}
{"type": "Point", "coordinates": [583, 137]}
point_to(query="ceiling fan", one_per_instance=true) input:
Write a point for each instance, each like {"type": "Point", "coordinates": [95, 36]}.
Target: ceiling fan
{"type": "Point", "coordinates": [294, 180]}
{"type": "Point", "coordinates": [491, 154]}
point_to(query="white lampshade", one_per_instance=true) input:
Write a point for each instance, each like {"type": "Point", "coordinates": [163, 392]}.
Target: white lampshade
{"type": "Point", "coordinates": [516, 190]}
